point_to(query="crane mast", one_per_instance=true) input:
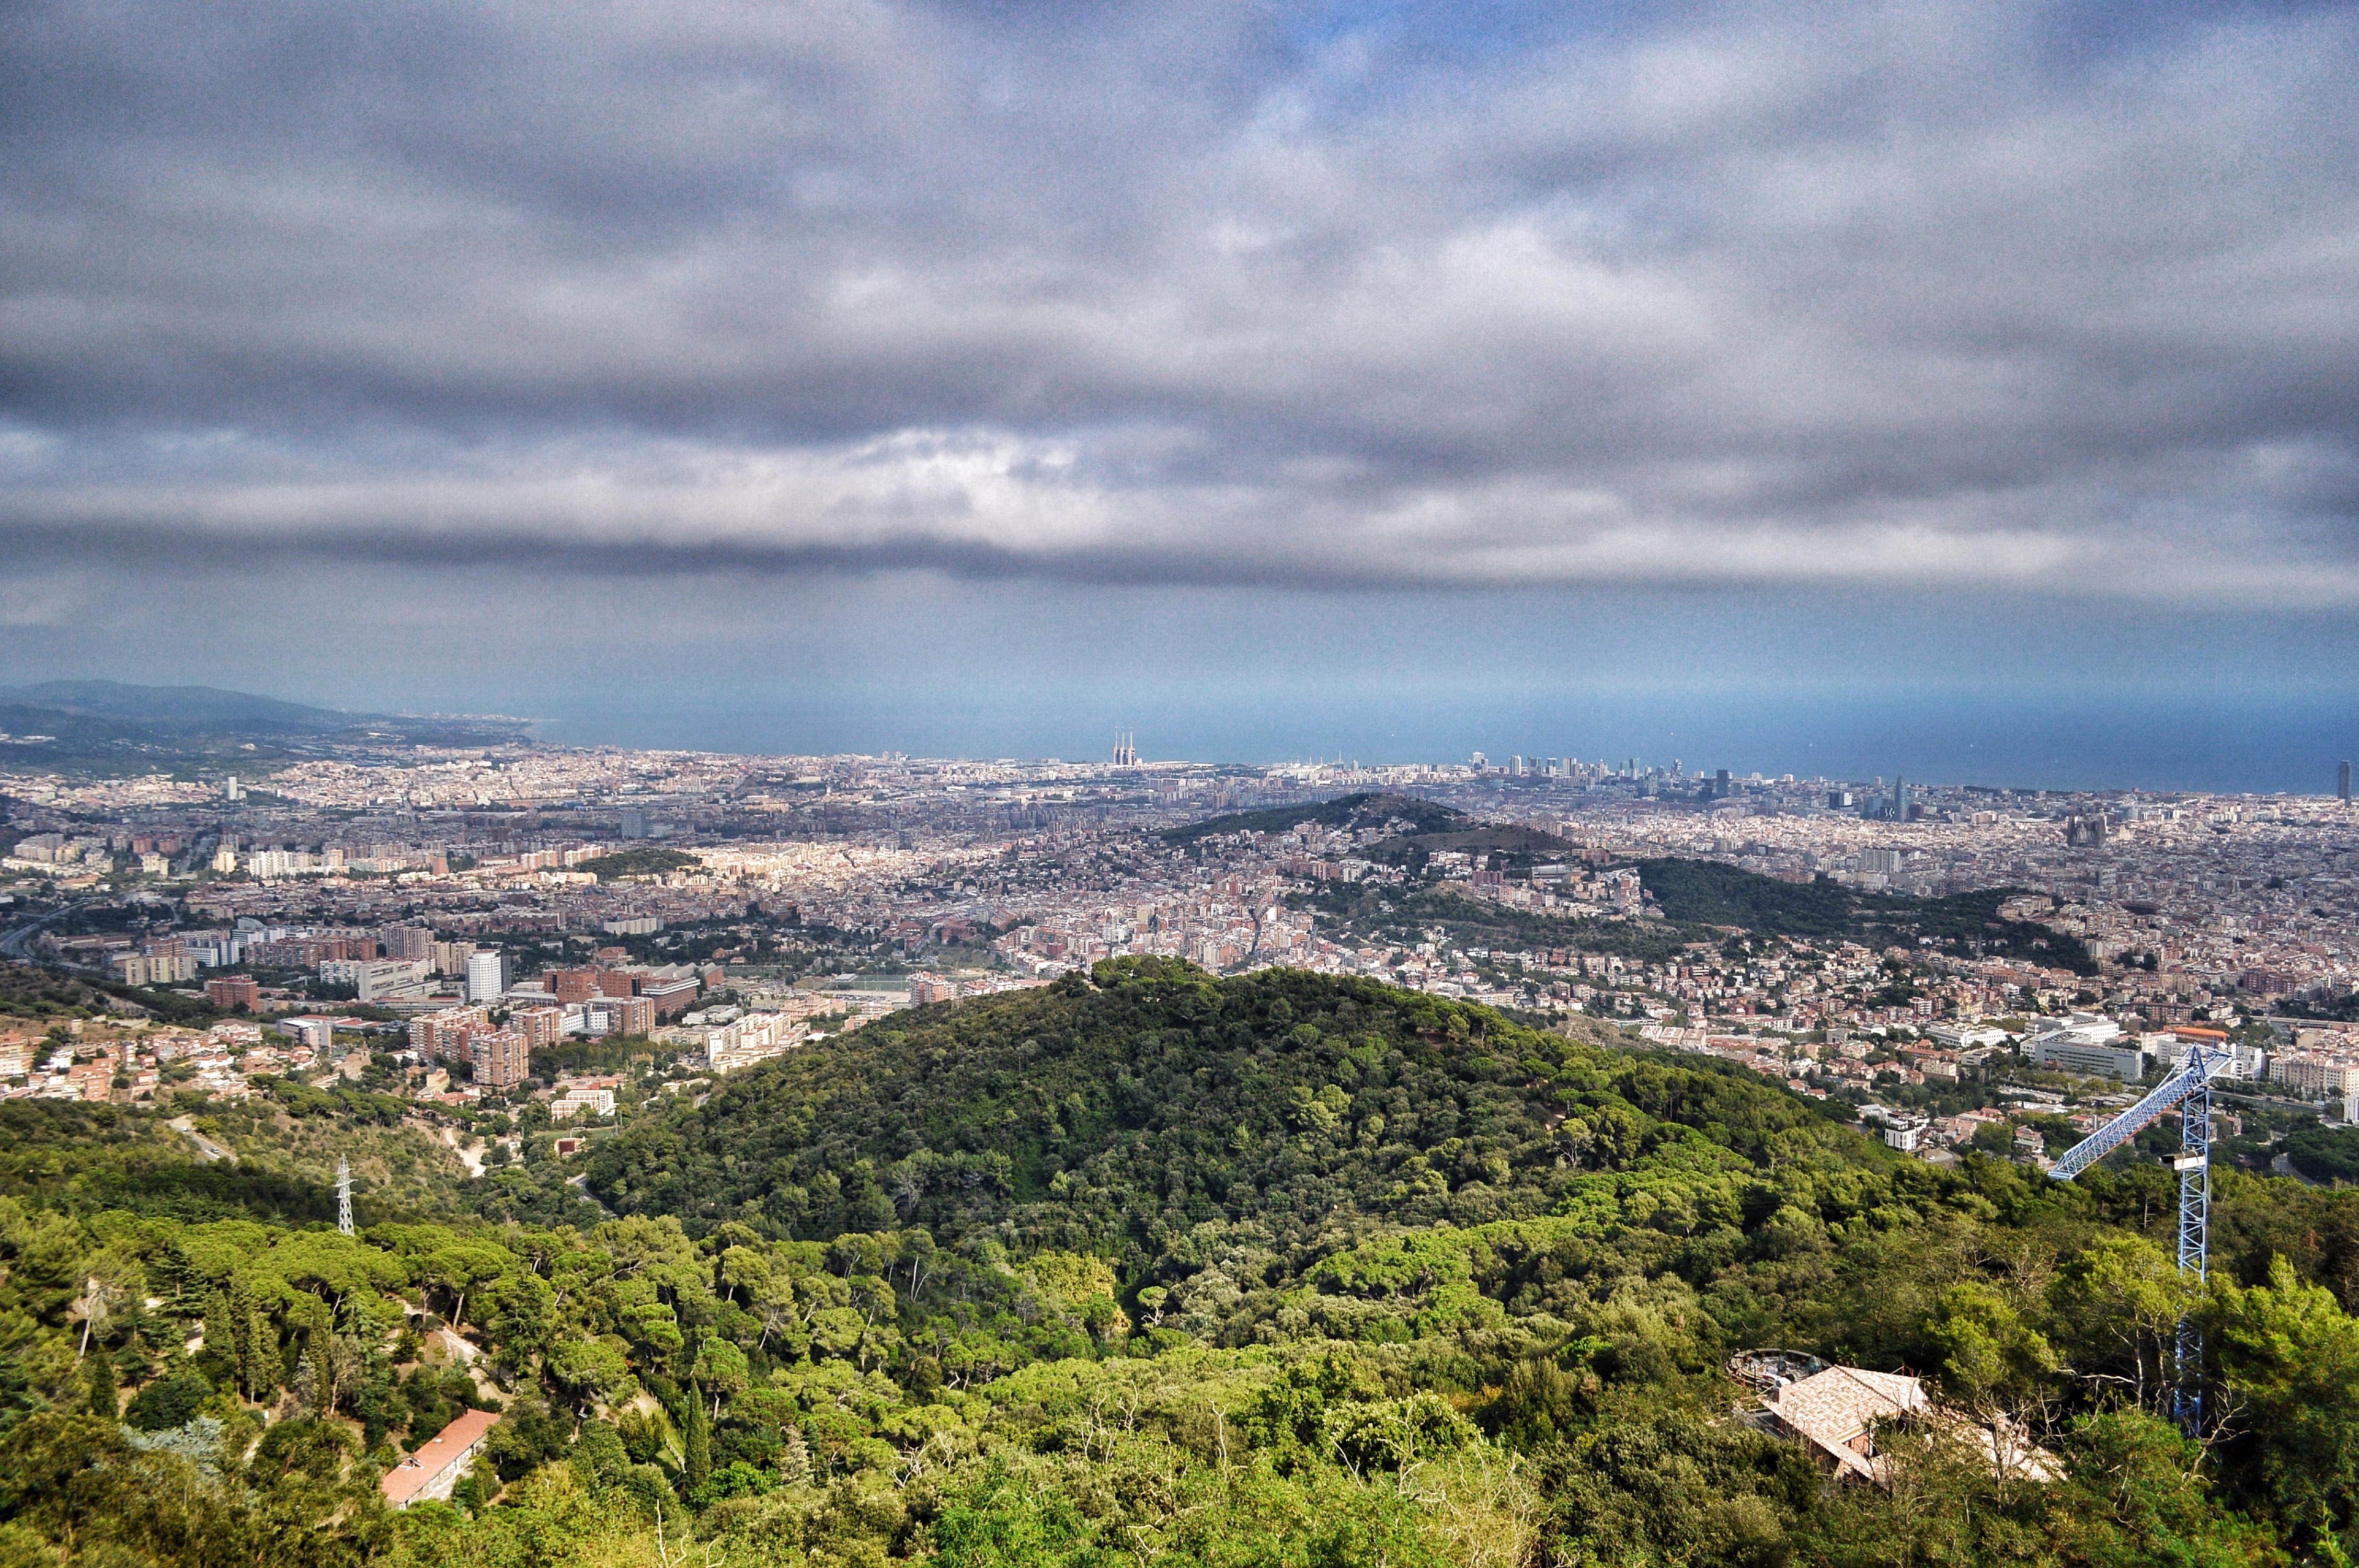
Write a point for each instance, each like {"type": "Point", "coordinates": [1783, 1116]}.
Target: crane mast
{"type": "Point", "coordinates": [2188, 1091]}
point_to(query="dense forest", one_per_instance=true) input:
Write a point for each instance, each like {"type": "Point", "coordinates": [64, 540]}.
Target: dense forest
{"type": "Point", "coordinates": [1351, 811]}
{"type": "Point", "coordinates": [640, 862]}
{"type": "Point", "coordinates": [2324, 1153]}
{"type": "Point", "coordinates": [1147, 1267]}
{"type": "Point", "coordinates": [1703, 900]}
{"type": "Point", "coordinates": [1710, 892]}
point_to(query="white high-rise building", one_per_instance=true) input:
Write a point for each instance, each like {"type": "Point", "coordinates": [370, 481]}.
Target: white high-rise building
{"type": "Point", "coordinates": [487, 976]}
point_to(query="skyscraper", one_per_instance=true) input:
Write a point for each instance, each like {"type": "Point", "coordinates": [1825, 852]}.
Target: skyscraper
{"type": "Point", "coordinates": [2342, 781]}
{"type": "Point", "coordinates": [487, 976]}
{"type": "Point", "coordinates": [1899, 798]}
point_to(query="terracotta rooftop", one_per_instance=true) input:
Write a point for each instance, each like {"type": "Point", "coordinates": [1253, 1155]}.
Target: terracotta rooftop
{"type": "Point", "coordinates": [438, 1457]}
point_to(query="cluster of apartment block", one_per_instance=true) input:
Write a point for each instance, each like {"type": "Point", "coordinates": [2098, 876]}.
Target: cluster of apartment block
{"type": "Point", "coordinates": [927, 987]}
{"type": "Point", "coordinates": [2320, 1063]}
{"type": "Point", "coordinates": [740, 1040]}
{"type": "Point", "coordinates": [667, 991]}
{"type": "Point", "coordinates": [157, 964]}
{"type": "Point", "coordinates": [594, 1002]}
{"type": "Point", "coordinates": [499, 1058]}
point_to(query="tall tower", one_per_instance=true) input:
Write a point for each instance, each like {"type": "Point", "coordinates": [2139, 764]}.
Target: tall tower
{"type": "Point", "coordinates": [1899, 798]}
{"type": "Point", "coordinates": [2342, 781]}
{"type": "Point", "coordinates": [343, 1194]}
{"type": "Point", "coordinates": [488, 975]}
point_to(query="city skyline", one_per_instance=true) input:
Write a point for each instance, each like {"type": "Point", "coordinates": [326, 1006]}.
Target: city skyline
{"type": "Point", "coordinates": [1941, 745]}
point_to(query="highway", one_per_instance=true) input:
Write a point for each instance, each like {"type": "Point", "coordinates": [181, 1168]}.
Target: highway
{"type": "Point", "coordinates": [17, 941]}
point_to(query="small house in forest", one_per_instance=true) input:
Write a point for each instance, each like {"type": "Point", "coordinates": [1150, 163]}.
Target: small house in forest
{"type": "Point", "coordinates": [434, 1469]}
{"type": "Point", "coordinates": [1837, 1411]}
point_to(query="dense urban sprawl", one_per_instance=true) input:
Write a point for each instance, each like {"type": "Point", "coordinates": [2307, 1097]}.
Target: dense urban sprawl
{"type": "Point", "coordinates": [453, 925]}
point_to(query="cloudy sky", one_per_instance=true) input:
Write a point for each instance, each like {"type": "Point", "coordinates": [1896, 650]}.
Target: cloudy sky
{"type": "Point", "coordinates": [1278, 378]}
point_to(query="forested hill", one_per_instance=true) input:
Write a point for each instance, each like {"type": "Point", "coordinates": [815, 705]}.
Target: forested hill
{"type": "Point", "coordinates": [1363, 810]}
{"type": "Point", "coordinates": [1712, 894]}
{"type": "Point", "coordinates": [1146, 1267]}
{"type": "Point", "coordinates": [641, 863]}
{"type": "Point", "coordinates": [1114, 1117]}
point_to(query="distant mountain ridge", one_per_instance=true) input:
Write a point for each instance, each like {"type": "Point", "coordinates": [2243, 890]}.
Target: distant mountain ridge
{"type": "Point", "coordinates": [109, 725]}
{"type": "Point", "coordinates": [190, 710]}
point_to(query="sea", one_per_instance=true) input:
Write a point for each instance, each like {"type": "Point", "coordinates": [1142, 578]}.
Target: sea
{"type": "Point", "coordinates": [2258, 741]}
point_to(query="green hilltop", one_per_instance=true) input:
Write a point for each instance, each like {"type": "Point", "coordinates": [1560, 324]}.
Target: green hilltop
{"type": "Point", "coordinates": [1710, 892]}
{"type": "Point", "coordinates": [1362, 810]}
{"type": "Point", "coordinates": [1119, 1117]}
{"type": "Point", "coordinates": [642, 862]}
{"type": "Point", "coordinates": [1700, 901]}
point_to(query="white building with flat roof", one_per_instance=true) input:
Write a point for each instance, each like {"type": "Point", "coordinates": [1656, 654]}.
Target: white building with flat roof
{"type": "Point", "coordinates": [2089, 1044]}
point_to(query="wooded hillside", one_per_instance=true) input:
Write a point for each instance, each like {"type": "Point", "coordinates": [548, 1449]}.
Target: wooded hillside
{"type": "Point", "coordinates": [1275, 1270]}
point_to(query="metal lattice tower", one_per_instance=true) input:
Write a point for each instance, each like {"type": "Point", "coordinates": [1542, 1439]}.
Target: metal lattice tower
{"type": "Point", "coordinates": [2189, 1091]}
{"type": "Point", "coordinates": [2194, 1168]}
{"type": "Point", "coordinates": [343, 1194]}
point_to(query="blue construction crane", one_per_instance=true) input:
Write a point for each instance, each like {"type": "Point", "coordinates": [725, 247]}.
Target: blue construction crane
{"type": "Point", "coordinates": [2190, 1091]}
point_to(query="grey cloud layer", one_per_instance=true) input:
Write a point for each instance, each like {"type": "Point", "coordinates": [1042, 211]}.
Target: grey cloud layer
{"type": "Point", "coordinates": [1937, 295]}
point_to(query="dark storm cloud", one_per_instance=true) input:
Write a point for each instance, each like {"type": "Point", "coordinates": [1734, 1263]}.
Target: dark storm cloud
{"type": "Point", "coordinates": [1921, 296]}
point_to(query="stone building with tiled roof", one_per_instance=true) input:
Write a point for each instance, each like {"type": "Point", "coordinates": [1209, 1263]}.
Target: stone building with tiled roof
{"type": "Point", "coordinates": [1837, 1413]}
{"type": "Point", "coordinates": [439, 1460]}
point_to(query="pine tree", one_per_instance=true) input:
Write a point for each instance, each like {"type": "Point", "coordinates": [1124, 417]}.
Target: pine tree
{"type": "Point", "coordinates": [174, 1278]}
{"type": "Point", "coordinates": [697, 1438]}
{"type": "Point", "coordinates": [254, 1343]}
{"type": "Point", "coordinates": [220, 1335]}
{"type": "Point", "coordinates": [794, 1458]}
{"type": "Point", "coordinates": [106, 1393]}
{"type": "Point", "coordinates": [317, 1379]}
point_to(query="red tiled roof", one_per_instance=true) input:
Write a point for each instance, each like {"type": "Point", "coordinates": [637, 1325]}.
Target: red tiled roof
{"type": "Point", "coordinates": [450, 1446]}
